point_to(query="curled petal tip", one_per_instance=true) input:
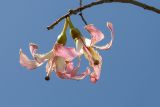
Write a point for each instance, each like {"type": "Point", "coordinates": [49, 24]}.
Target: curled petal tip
{"type": "Point", "coordinates": [33, 45]}
{"type": "Point", "coordinates": [110, 26]}
{"type": "Point", "coordinates": [96, 34]}
{"type": "Point", "coordinates": [93, 80]}
{"type": "Point", "coordinates": [20, 51]}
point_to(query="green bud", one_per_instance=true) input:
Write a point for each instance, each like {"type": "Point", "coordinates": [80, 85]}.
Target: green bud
{"type": "Point", "coordinates": [75, 33]}
{"type": "Point", "coordinates": [62, 38]}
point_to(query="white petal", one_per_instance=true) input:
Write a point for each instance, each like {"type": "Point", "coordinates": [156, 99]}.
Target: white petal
{"type": "Point", "coordinates": [79, 46]}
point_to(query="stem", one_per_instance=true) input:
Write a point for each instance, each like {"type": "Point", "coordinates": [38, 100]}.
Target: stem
{"type": "Point", "coordinates": [81, 14]}
{"type": "Point", "coordinates": [77, 10]}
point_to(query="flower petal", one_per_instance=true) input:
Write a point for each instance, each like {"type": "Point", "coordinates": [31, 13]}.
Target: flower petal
{"type": "Point", "coordinates": [39, 57]}
{"type": "Point", "coordinates": [26, 62]}
{"type": "Point", "coordinates": [65, 52]}
{"type": "Point", "coordinates": [82, 75]}
{"type": "Point", "coordinates": [97, 67]}
{"type": "Point", "coordinates": [43, 57]}
{"type": "Point", "coordinates": [71, 72]}
{"type": "Point", "coordinates": [95, 61]}
{"type": "Point", "coordinates": [60, 66]}
{"type": "Point", "coordinates": [96, 34]}
{"type": "Point", "coordinates": [95, 75]}
{"type": "Point", "coordinates": [33, 48]}
{"type": "Point", "coordinates": [108, 45]}
{"type": "Point", "coordinates": [79, 46]}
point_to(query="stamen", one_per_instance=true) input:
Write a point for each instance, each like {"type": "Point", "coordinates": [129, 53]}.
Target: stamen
{"type": "Point", "coordinates": [47, 78]}
{"type": "Point", "coordinates": [96, 62]}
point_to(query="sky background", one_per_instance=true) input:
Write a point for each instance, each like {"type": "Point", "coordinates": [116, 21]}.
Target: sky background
{"type": "Point", "coordinates": [131, 69]}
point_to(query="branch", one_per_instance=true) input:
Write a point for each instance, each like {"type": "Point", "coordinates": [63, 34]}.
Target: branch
{"type": "Point", "coordinates": [77, 10]}
{"type": "Point", "coordinates": [81, 14]}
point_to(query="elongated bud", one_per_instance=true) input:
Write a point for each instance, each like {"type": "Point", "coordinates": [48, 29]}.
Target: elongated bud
{"type": "Point", "coordinates": [62, 38]}
{"type": "Point", "coordinates": [75, 33]}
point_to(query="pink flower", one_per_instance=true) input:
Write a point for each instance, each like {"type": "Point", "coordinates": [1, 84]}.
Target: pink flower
{"type": "Point", "coordinates": [86, 46]}
{"type": "Point", "coordinates": [59, 59]}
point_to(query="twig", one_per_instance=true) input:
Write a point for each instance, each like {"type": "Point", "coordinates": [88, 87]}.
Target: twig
{"type": "Point", "coordinates": [81, 14]}
{"type": "Point", "coordinates": [77, 10]}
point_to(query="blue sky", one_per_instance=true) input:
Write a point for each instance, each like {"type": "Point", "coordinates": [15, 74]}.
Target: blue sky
{"type": "Point", "coordinates": [130, 71]}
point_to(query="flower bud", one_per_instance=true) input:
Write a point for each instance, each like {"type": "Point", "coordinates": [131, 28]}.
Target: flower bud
{"type": "Point", "coordinates": [75, 33]}
{"type": "Point", "coordinates": [62, 38]}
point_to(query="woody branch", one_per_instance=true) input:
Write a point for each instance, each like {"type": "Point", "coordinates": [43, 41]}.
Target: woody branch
{"type": "Point", "coordinates": [80, 9]}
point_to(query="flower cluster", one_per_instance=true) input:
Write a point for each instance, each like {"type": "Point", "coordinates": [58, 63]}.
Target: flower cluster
{"type": "Point", "coordinates": [60, 58]}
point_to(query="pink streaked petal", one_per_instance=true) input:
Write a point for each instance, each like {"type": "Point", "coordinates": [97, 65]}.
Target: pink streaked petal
{"type": "Point", "coordinates": [63, 75]}
{"type": "Point", "coordinates": [82, 75]}
{"type": "Point", "coordinates": [70, 70]}
{"type": "Point", "coordinates": [33, 48]}
{"type": "Point", "coordinates": [95, 75]}
{"type": "Point", "coordinates": [65, 52]}
{"type": "Point", "coordinates": [108, 45]}
{"type": "Point", "coordinates": [43, 57]}
{"type": "Point", "coordinates": [110, 26]}
{"type": "Point", "coordinates": [26, 62]}
{"type": "Point", "coordinates": [95, 62]}
{"type": "Point", "coordinates": [93, 79]}
{"type": "Point", "coordinates": [69, 67]}
{"type": "Point", "coordinates": [96, 34]}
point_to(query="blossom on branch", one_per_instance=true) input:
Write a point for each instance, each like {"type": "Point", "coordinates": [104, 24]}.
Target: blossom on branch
{"type": "Point", "coordinates": [60, 58]}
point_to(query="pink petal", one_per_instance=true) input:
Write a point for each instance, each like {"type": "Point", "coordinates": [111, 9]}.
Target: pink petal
{"type": "Point", "coordinates": [95, 75]}
{"type": "Point", "coordinates": [108, 45]}
{"type": "Point", "coordinates": [65, 52]}
{"type": "Point", "coordinates": [71, 72]}
{"type": "Point", "coordinates": [96, 34]}
{"type": "Point", "coordinates": [93, 56]}
{"type": "Point", "coordinates": [68, 71]}
{"type": "Point", "coordinates": [26, 62]}
{"type": "Point", "coordinates": [69, 68]}
{"type": "Point", "coordinates": [33, 48]}
{"type": "Point", "coordinates": [64, 75]}
{"type": "Point", "coordinates": [82, 75]}
{"type": "Point", "coordinates": [40, 58]}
